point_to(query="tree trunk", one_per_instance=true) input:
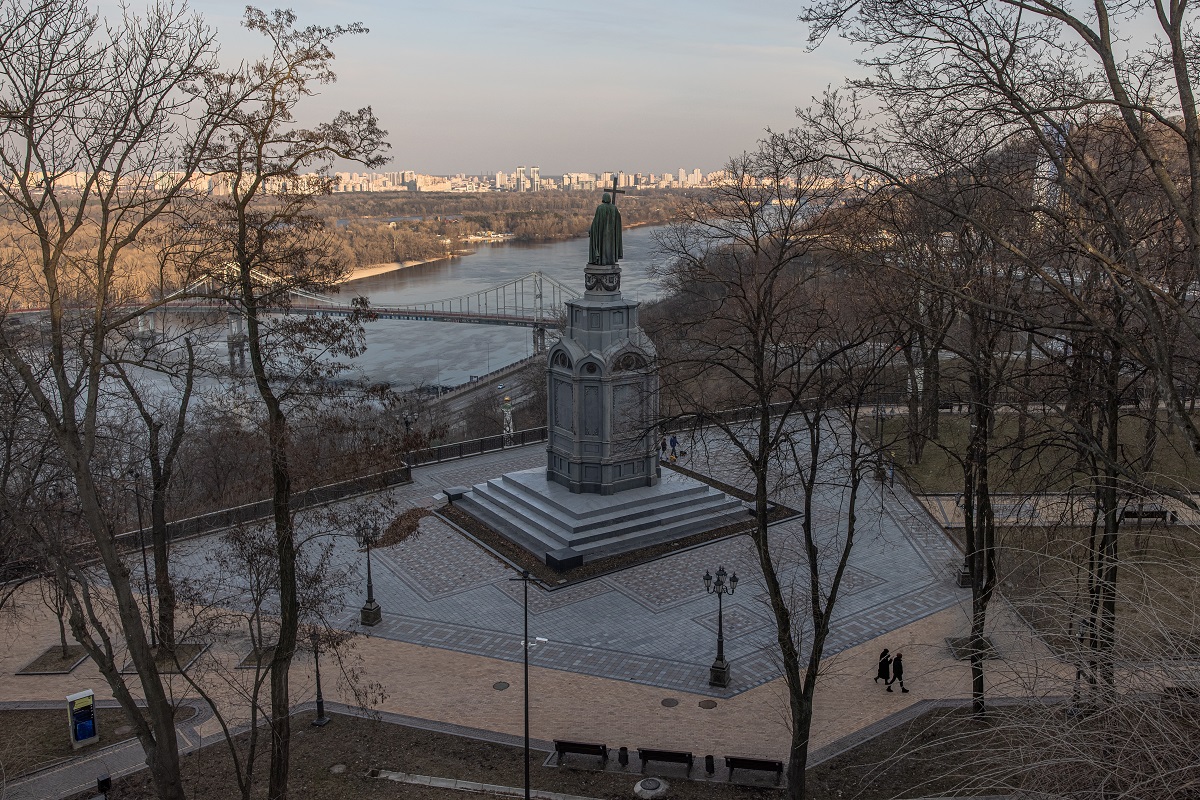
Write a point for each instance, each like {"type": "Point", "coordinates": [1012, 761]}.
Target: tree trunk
{"type": "Point", "coordinates": [163, 586]}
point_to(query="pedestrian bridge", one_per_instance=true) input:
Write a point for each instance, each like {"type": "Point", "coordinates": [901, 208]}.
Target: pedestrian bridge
{"type": "Point", "coordinates": [531, 301]}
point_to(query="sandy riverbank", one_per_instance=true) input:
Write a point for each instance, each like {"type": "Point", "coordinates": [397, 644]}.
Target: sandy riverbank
{"type": "Point", "coordinates": [379, 269]}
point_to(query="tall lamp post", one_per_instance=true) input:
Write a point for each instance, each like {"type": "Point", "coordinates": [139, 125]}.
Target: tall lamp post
{"type": "Point", "coordinates": [137, 498]}
{"type": "Point", "coordinates": [526, 645]}
{"type": "Point", "coordinates": [371, 613]}
{"type": "Point", "coordinates": [718, 674]}
{"type": "Point", "coordinates": [321, 719]}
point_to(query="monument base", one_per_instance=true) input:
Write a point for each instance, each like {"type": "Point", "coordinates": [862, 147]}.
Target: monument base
{"type": "Point", "coordinates": [567, 530]}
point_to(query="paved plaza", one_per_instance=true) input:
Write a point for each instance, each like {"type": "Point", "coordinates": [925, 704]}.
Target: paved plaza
{"type": "Point", "coordinates": [652, 623]}
{"type": "Point", "coordinates": [626, 655]}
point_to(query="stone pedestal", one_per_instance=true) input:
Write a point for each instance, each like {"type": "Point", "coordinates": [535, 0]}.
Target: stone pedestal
{"type": "Point", "coordinates": [602, 393]}
{"type": "Point", "coordinates": [718, 674]}
{"type": "Point", "coordinates": [370, 614]}
{"type": "Point", "coordinates": [570, 528]}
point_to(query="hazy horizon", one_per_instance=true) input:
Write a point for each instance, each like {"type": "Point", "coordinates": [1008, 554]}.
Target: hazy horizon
{"type": "Point", "coordinates": [474, 87]}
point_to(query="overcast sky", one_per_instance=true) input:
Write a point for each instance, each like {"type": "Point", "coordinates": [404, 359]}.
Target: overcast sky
{"type": "Point", "coordinates": [567, 85]}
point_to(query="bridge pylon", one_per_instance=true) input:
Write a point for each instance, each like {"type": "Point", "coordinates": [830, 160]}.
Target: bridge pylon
{"type": "Point", "coordinates": [235, 340]}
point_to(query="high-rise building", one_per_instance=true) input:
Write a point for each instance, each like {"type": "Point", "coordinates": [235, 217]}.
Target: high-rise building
{"type": "Point", "coordinates": [500, 180]}
{"type": "Point", "coordinates": [695, 179]}
{"type": "Point", "coordinates": [520, 179]}
{"type": "Point", "coordinates": [535, 178]}
{"type": "Point", "coordinates": [606, 179]}
{"type": "Point", "coordinates": [682, 177]}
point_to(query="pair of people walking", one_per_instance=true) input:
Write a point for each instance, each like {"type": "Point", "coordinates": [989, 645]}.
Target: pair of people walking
{"type": "Point", "coordinates": [891, 670]}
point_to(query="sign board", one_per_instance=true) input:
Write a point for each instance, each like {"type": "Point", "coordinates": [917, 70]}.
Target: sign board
{"type": "Point", "coordinates": [81, 718]}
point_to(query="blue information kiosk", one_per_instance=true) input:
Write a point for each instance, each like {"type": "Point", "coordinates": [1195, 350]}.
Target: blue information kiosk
{"type": "Point", "coordinates": [81, 718]}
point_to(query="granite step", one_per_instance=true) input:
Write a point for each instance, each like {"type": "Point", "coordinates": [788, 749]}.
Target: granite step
{"type": "Point", "coordinates": [535, 523]}
{"type": "Point", "coordinates": [553, 514]}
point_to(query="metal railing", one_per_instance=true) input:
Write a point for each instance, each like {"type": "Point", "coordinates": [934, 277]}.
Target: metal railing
{"type": "Point", "coordinates": [474, 447]}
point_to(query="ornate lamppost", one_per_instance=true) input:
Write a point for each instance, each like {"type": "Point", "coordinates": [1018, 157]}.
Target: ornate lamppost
{"type": "Point", "coordinates": [371, 613]}
{"type": "Point", "coordinates": [718, 674]}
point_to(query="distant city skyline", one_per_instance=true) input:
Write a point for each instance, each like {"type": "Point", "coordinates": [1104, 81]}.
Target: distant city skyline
{"type": "Point", "coordinates": [465, 86]}
{"type": "Point", "coordinates": [523, 179]}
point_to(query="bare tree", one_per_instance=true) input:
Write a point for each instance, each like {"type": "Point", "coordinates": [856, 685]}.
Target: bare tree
{"type": "Point", "coordinates": [102, 127]}
{"type": "Point", "coordinates": [274, 246]}
{"type": "Point", "coordinates": [754, 347]}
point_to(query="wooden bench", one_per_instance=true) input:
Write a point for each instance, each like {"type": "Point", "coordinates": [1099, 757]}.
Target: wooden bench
{"type": "Point", "coordinates": [1149, 511]}
{"type": "Point", "coordinates": [562, 747]}
{"type": "Point", "coordinates": [760, 764]}
{"type": "Point", "coordinates": [672, 756]}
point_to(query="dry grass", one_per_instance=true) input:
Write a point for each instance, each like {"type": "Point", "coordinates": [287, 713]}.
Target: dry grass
{"type": "Point", "coordinates": [914, 767]}
{"type": "Point", "coordinates": [52, 662]}
{"type": "Point", "coordinates": [45, 742]}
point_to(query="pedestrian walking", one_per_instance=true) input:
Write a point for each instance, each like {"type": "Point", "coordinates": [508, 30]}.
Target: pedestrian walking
{"type": "Point", "coordinates": [662, 449]}
{"type": "Point", "coordinates": [885, 667]}
{"type": "Point", "coordinates": [674, 446]}
{"type": "Point", "coordinates": [898, 672]}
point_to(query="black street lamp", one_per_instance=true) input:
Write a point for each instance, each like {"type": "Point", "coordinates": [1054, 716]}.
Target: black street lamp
{"type": "Point", "coordinates": [718, 674]}
{"type": "Point", "coordinates": [321, 719]}
{"type": "Point", "coordinates": [137, 497]}
{"type": "Point", "coordinates": [371, 613]}
{"type": "Point", "coordinates": [526, 645]}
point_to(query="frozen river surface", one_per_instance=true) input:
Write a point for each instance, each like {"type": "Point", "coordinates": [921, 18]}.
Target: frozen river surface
{"type": "Point", "coordinates": [406, 354]}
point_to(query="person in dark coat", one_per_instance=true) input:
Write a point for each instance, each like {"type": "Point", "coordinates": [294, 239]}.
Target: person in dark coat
{"type": "Point", "coordinates": [885, 667]}
{"type": "Point", "coordinates": [898, 672]}
{"type": "Point", "coordinates": [662, 448]}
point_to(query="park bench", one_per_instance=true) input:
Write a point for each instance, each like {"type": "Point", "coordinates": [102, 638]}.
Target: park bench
{"type": "Point", "coordinates": [760, 764]}
{"type": "Point", "coordinates": [1149, 511]}
{"type": "Point", "coordinates": [672, 756]}
{"type": "Point", "coordinates": [563, 746]}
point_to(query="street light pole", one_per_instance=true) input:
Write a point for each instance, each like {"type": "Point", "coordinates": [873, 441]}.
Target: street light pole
{"type": "Point", "coordinates": [525, 646]}
{"type": "Point", "coordinates": [718, 674]}
{"type": "Point", "coordinates": [525, 581]}
{"type": "Point", "coordinates": [137, 498]}
{"type": "Point", "coordinates": [321, 719]}
{"type": "Point", "coordinates": [371, 613]}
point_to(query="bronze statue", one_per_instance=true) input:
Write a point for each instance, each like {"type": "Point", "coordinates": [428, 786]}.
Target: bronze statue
{"type": "Point", "coordinates": [604, 237]}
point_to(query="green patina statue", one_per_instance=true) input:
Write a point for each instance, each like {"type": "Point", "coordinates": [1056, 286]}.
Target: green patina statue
{"type": "Point", "coordinates": [604, 237]}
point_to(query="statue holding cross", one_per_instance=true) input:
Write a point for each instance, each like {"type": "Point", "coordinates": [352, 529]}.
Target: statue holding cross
{"type": "Point", "coordinates": [604, 237]}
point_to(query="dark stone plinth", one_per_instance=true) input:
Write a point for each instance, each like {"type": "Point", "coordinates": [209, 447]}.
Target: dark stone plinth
{"type": "Point", "coordinates": [718, 674]}
{"type": "Point", "coordinates": [370, 614]}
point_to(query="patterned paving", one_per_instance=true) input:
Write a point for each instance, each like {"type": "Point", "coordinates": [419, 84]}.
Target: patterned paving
{"type": "Point", "coordinates": [739, 620]}
{"type": "Point", "coordinates": [541, 601]}
{"type": "Point", "coordinates": [668, 582]}
{"type": "Point", "coordinates": [653, 623]}
{"type": "Point", "coordinates": [439, 562]}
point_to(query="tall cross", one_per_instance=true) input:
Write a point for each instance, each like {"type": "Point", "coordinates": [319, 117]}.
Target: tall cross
{"type": "Point", "coordinates": [615, 191]}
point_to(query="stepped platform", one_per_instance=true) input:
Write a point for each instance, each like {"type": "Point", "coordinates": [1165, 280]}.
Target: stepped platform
{"type": "Point", "coordinates": [570, 529]}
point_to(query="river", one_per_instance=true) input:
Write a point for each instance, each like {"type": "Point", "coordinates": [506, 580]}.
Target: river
{"type": "Point", "coordinates": [408, 354]}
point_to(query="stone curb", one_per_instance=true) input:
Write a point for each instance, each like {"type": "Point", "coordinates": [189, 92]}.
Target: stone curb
{"type": "Point", "coordinates": [472, 786]}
